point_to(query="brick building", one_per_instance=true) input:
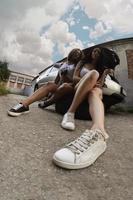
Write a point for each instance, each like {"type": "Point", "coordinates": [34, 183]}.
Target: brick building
{"type": "Point", "coordinates": [129, 54]}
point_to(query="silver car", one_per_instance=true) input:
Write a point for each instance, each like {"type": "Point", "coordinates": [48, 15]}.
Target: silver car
{"type": "Point", "coordinates": [48, 74]}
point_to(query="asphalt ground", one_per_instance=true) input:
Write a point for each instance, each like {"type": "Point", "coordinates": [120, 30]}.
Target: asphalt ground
{"type": "Point", "coordinates": [27, 145]}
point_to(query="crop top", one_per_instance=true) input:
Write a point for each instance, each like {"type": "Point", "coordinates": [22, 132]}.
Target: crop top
{"type": "Point", "coordinates": [83, 71]}
{"type": "Point", "coordinates": [69, 68]}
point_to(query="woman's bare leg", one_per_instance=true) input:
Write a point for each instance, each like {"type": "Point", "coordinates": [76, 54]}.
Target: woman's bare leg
{"type": "Point", "coordinates": [84, 151]}
{"type": "Point", "coordinates": [84, 86]}
{"type": "Point", "coordinates": [61, 91]}
{"type": "Point", "coordinates": [96, 110]}
{"type": "Point", "coordinates": [40, 93]}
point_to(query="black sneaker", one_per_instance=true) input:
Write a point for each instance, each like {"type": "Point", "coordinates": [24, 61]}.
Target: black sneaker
{"type": "Point", "coordinates": [43, 104]}
{"type": "Point", "coordinates": [17, 110]}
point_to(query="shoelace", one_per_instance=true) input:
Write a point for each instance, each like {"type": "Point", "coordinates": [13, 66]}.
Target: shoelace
{"type": "Point", "coordinates": [84, 141]}
{"type": "Point", "coordinates": [70, 118]}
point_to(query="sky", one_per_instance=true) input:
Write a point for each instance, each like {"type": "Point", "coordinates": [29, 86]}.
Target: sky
{"type": "Point", "coordinates": [36, 33]}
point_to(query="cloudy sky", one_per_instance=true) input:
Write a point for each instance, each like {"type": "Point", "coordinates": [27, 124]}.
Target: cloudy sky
{"type": "Point", "coordinates": [36, 33]}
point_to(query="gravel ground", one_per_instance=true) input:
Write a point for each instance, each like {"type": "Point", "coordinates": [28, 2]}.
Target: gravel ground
{"type": "Point", "coordinates": [28, 142]}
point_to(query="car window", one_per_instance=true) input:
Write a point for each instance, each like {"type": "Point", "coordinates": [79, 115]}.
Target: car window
{"type": "Point", "coordinates": [57, 65]}
{"type": "Point", "coordinates": [51, 70]}
{"type": "Point", "coordinates": [45, 72]}
{"type": "Point", "coordinates": [54, 69]}
{"type": "Point", "coordinates": [48, 72]}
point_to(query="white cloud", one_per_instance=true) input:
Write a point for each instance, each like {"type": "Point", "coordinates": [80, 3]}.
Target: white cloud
{"type": "Point", "coordinates": [115, 14]}
{"type": "Point", "coordinates": [99, 30]}
{"type": "Point", "coordinates": [21, 23]}
{"type": "Point", "coordinates": [76, 7]}
{"type": "Point", "coordinates": [33, 43]}
{"type": "Point", "coordinates": [90, 44]}
{"type": "Point", "coordinates": [59, 33]}
{"type": "Point", "coordinates": [85, 27]}
{"type": "Point", "coordinates": [26, 52]}
{"type": "Point", "coordinates": [64, 50]}
{"type": "Point", "coordinates": [26, 44]}
{"type": "Point", "coordinates": [71, 21]}
{"type": "Point", "coordinates": [109, 39]}
{"type": "Point", "coordinates": [49, 13]}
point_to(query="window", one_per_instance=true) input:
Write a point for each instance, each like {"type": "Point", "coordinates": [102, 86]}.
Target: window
{"type": "Point", "coordinates": [129, 54]}
{"type": "Point", "coordinates": [13, 78]}
{"type": "Point", "coordinates": [27, 81]}
{"type": "Point", "coordinates": [20, 79]}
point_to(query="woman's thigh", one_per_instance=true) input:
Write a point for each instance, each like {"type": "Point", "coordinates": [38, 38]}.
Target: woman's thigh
{"type": "Point", "coordinates": [93, 74]}
{"type": "Point", "coordinates": [66, 87]}
{"type": "Point", "coordinates": [50, 87]}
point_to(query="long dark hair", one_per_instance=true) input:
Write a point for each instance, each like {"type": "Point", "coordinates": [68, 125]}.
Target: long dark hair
{"type": "Point", "coordinates": [71, 56]}
{"type": "Point", "coordinates": [107, 59]}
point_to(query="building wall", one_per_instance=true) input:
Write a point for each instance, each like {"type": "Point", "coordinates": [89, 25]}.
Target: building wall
{"type": "Point", "coordinates": [18, 82]}
{"type": "Point", "coordinates": [129, 54]}
{"type": "Point", "coordinates": [124, 72]}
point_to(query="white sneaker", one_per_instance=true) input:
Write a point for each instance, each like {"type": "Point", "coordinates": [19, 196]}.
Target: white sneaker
{"type": "Point", "coordinates": [68, 121]}
{"type": "Point", "coordinates": [82, 152]}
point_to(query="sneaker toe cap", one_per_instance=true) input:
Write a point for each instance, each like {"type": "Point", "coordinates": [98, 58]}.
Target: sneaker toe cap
{"type": "Point", "coordinates": [64, 155]}
{"type": "Point", "coordinates": [68, 125]}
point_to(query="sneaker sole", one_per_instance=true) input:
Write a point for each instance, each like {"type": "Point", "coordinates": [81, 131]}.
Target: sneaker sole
{"type": "Point", "coordinates": [67, 128]}
{"type": "Point", "coordinates": [77, 166]}
{"type": "Point", "coordinates": [16, 114]}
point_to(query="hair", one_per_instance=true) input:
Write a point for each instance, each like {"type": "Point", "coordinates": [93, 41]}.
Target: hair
{"type": "Point", "coordinates": [71, 56]}
{"type": "Point", "coordinates": [108, 58]}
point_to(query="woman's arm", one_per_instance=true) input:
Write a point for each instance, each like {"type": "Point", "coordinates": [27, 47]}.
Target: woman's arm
{"type": "Point", "coordinates": [57, 79]}
{"type": "Point", "coordinates": [101, 80]}
{"type": "Point", "coordinates": [76, 75]}
{"type": "Point", "coordinates": [61, 78]}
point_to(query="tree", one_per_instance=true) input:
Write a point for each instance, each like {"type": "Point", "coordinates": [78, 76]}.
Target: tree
{"type": "Point", "coordinates": [4, 71]}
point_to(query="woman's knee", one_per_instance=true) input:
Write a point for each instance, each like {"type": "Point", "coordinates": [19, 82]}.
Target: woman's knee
{"type": "Point", "coordinates": [96, 92]}
{"type": "Point", "coordinates": [50, 86]}
{"type": "Point", "coordinates": [65, 89]}
{"type": "Point", "coordinates": [94, 74]}
{"type": "Point", "coordinates": [65, 85]}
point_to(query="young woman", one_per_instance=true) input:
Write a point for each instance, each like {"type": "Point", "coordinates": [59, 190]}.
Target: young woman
{"type": "Point", "coordinates": [65, 75]}
{"type": "Point", "coordinates": [92, 143]}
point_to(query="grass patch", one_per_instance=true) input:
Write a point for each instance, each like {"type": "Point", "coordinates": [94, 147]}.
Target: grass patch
{"type": "Point", "coordinates": [3, 89]}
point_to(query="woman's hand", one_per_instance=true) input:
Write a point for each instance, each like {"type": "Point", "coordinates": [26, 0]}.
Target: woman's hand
{"type": "Point", "coordinates": [108, 71]}
{"type": "Point", "coordinates": [101, 80]}
{"type": "Point", "coordinates": [76, 74]}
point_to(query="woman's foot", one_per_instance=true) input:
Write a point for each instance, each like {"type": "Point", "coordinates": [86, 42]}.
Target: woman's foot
{"type": "Point", "coordinates": [82, 152]}
{"type": "Point", "coordinates": [68, 121]}
{"type": "Point", "coordinates": [43, 104]}
{"type": "Point", "coordinates": [17, 110]}
{"type": "Point", "coordinates": [105, 134]}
